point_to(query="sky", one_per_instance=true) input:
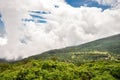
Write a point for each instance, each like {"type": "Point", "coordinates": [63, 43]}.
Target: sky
{"type": "Point", "coordinates": [30, 27]}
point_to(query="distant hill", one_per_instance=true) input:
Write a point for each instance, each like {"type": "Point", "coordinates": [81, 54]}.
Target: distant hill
{"type": "Point", "coordinates": [106, 48]}
{"type": "Point", "coordinates": [103, 49]}
{"type": "Point", "coordinates": [3, 60]}
{"type": "Point", "coordinates": [96, 60]}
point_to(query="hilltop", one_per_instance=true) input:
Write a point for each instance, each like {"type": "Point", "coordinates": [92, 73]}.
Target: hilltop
{"type": "Point", "coordinates": [103, 49]}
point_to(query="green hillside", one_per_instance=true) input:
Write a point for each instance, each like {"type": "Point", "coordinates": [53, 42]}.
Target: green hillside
{"type": "Point", "coordinates": [102, 49]}
{"type": "Point", "coordinates": [96, 60]}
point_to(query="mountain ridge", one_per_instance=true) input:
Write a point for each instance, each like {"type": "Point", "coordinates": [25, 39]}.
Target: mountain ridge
{"type": "Point", "coordinates": [83, 64]}
{"type": "Point", "coordinates": [110, 46]}
{"type": "Point", "coordinates": [105, 48]}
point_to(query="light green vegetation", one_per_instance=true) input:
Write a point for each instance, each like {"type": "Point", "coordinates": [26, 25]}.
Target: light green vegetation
{"type": "Point", "coordinates": [55, 70]}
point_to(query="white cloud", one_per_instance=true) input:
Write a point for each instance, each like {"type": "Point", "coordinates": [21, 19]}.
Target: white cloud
{"type": "Point", "coordinates": [66, 26]}
{"type": "Point", "coordinates": [112, 3]}
{"type": "Point", "coordinates": [3, 41]}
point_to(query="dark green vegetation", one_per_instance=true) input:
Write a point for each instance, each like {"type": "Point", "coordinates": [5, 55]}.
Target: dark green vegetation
{"type": "Point", "coordinates": [97, 60]}
{"type": "Point", "coordinates": [54, 70]}
{"type": "Point", "coordinates": [102, 49]}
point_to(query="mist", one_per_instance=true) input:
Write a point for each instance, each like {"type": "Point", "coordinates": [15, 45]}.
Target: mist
{"type": "Point", "coordinates": [60, 27]}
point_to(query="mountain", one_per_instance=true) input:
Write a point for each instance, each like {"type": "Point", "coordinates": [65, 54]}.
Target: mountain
{"type": "Point", "coordinates": [96, 60]}
{"type": "Point", "coordinates": [3, 60]}
{"type": "Point", "coordinates": [103, 49]}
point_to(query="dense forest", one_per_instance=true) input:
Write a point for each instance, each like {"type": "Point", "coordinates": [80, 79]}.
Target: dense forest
{"type": "Point", "coordinates": [55, 70]}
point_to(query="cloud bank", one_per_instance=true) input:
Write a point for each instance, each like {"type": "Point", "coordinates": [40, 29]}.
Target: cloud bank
{"type": "Point", "coordinates": [65, 25]}
{"type": "Point", "coordinates": [112, 3]}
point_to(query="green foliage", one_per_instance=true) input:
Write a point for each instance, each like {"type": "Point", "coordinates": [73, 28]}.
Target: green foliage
{"type": "Point", "coordinates": [55, 70]}
{"type": "Point", "coordinates": [116, 72]}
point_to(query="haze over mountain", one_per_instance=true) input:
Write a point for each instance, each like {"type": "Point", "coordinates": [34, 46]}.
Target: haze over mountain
{"type": "Point", "coordinates": [102, 49]}
{"type": "Point", "coordinates": [34, 26]}
{"type": "Point", "coordinates": [59, 39]}
{"type": "Point", "coordinates": [96, 60]}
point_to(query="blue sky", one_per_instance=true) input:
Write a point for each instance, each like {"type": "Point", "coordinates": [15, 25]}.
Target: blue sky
{"type": "Point", "coordinates": [89, 3]}
{"type": "Point", "coordinates": [73, 3]}
{"type": "Point", "coordinates": [36, 16]}
{"type": "Point", "coordinates": [2, 27]}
